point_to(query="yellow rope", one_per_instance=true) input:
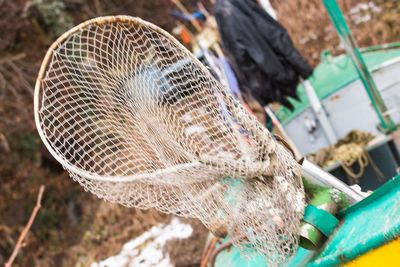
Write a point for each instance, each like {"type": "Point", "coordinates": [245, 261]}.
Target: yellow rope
{"type": "Point", "coordinates": [349, 154]}
{"type": "Point", "coordinates": [348, 151]}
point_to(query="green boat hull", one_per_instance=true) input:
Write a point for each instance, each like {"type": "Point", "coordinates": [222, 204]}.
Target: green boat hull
{"type": "Point", "coordinates": [365, 226]}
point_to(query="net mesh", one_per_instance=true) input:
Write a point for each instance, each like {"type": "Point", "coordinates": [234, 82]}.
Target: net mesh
{"type": "Point", "coordinates": [137, 120]}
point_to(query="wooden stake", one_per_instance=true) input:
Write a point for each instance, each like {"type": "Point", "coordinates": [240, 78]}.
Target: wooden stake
{"type": "Point", "coordinates": [24, 232]}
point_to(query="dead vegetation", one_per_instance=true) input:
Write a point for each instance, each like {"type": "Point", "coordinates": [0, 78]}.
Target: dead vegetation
{"type": "Point", "coordinates": [73, 228]}
{"type": "Point", "coordinates": [372, 22]}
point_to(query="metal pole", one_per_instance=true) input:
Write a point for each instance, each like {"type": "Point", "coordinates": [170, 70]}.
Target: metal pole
{"type": "Point", "coordinates": [313, 173]}
{"type": "Point", "coordinates": [345, 35]}
{"type": "Point", "coordinates": [320, 113]}
{"type": "Point", "coordinates": [318, 176]}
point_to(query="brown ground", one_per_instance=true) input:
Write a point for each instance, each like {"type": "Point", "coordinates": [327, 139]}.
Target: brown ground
{"type": "Point", "coordinates": [74, 228]}
{"type": "Point", "coordinates": [188, 252]}
{"type": "Point", "coordinates": [309, 25]}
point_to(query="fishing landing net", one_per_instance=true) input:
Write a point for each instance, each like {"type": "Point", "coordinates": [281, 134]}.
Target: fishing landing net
{"type": "Point", "coordinates": [136, 119]}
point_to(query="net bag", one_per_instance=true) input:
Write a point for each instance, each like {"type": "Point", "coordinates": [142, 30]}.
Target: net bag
{"type": "Point", "coordinates": [136, 119]}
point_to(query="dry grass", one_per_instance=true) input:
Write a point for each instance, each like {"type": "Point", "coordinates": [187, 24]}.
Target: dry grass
{"type": "Point", "coordinates": [309, 25]}
{"type": "Point", "coordinates": [73, 227]}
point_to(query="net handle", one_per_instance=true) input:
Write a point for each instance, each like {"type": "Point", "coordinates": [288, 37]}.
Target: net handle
{"type": "Point", "coordinates": [142, 176]}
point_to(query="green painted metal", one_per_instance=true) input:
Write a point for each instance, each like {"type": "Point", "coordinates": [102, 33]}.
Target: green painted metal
{"type": "Point", "coordinates": [364, 226]}
{"type": "Point", "coordinates": [380, 47]}
{"type": "Point", "coordinates": [318, 223]}
{"type": "Point", "coordinates": [392, 186]}
{"type": "Point", "coordinates": [333, 74]}
{"type": "Point", "coordinates": [319, 220]}
{"type": "Point", "coordinates": [345, 34]}
{"type": "Point", "coordinates": [322, 220]}
{"type": "Point", "coordinates": [310, 237]}
{"type": "Point", "coordinates": [322, 194]}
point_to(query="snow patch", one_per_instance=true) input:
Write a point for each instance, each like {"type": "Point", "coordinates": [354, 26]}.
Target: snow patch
{"type": "Point", "coordinates": [147, 249]}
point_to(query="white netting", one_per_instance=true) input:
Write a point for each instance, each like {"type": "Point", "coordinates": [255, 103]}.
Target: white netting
{"type": "Point", "coordinates": [136, 119]}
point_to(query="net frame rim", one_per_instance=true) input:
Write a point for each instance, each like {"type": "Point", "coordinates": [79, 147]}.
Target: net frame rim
{"type": "Point", "coordinates": [38, 89]}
